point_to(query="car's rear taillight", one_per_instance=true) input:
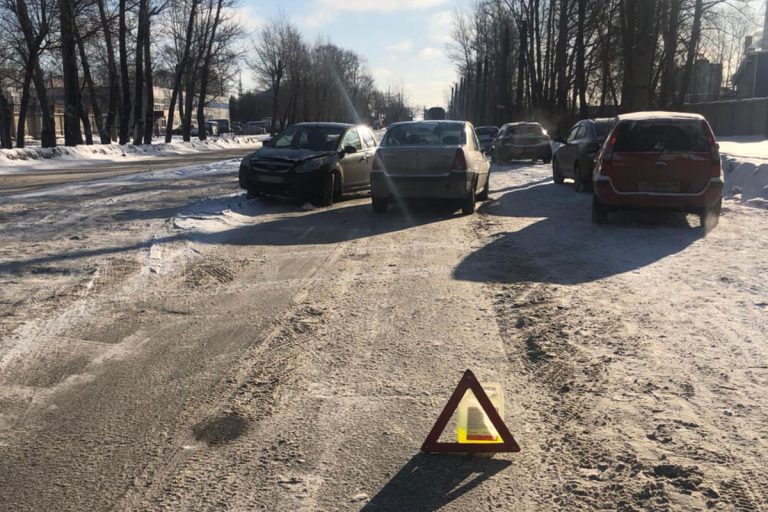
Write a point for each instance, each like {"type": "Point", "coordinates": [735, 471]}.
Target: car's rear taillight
{"type": "Point", "coordinates": [459, 161]}
{"type": "Point", "coordinates": [714, 147]}
{"type": "Point", "coordinates": [378, 165]}
{"type": "Point", "coordinates": [605, 158]}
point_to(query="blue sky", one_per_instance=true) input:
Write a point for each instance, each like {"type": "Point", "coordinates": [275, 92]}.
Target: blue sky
{"type": "Point", "coordinates": [402, 40]}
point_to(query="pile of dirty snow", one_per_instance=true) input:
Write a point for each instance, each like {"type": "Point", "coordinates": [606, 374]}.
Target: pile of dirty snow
{"type": "Point", "coordinates": [24, 159]}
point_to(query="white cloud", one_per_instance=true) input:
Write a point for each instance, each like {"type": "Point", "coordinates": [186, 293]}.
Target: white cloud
{"type": "Point", "coordinates": [440, 27]}
{"type": "Point", "coordinates": [376, 5]}
{"type": "Point", "coordinates": [250, 22]}
{"type": "Point", "coordinates": [401, 46]}
{"type": "Point", "coordinates": [382, 74]}
{"type": "Point", "coordinates": [430, 54]}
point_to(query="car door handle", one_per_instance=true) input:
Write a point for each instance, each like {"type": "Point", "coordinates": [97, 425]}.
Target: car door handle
{"type": "Point", "coordinates": [660, 164]}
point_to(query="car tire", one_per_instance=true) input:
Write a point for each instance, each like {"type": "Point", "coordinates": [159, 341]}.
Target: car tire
{"type": "Point", "coordinates": [547, 158]}
{"type": "Point", "coordinates": [599, 212]}
{"type": "Point", "coordinates": [578, 181]}
{"type": "Point", "coordinates": [710, 217]}
{"type": "Point", "coordinates": [253, 193]}
{"type": "Point", "coordinates": [329, 190]}
{"type": "Point", "coordinates": [380, 204]}
{"type": "Point", "coordinates": [483, 195]}
{"type": "Point", "coordinates": [556, 176]}
{"type": "Point", "coordinates": [468, 204]}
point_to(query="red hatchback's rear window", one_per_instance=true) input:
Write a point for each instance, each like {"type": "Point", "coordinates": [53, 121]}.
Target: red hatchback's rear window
{"type": "Point", "coordinates": [657, 136]}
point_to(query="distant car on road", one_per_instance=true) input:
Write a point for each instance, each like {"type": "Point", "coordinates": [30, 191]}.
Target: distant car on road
{"type": "Point", "coordinates": [576, 157]}
{"type": "Point", "coordinates": [254, 128]}
{"type": "Point", "coordinates": [434, 114]}
{"type": "Point", "coordinates": [430, 159]}
{"type": "Point", "coordinates": [486, 134]}
{"type": "Point", "coordinates": [522, 141]}
{"type": "Point", "coordinates": [659, 160]}
{"type": "Point", "coordinates": [316, 161]}
{"type": "Point", "coordinates": [223, 125]}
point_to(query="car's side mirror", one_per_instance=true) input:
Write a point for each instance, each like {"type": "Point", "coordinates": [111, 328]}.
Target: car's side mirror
{"type": "Point", "coordinates": [349, 150]}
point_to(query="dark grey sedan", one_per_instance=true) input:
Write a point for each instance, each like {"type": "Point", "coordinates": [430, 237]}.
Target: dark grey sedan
{"type": "Point", "coordinates": [576, 157]}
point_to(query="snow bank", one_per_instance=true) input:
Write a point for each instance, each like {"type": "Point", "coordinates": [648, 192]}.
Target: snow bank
{"type": "Point", "coordinates": [21, 160]}
{"type": "Point", "coordinates": [745, 165]}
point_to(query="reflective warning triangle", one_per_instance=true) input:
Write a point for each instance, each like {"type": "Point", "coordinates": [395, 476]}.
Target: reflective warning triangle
{"type": "Point", "coordinates": [469, 381]}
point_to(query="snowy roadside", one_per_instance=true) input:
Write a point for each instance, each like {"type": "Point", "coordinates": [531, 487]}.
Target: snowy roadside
{"type": "Point", "coordinates": [13, 161]}
{"type": "Point", "coordinates": [745, 165]}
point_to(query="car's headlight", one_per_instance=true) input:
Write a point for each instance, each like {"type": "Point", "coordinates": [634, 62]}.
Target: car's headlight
{"type": "Point", "coordinates": [310, 165]}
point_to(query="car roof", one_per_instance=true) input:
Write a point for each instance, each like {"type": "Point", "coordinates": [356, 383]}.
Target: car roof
{"type": "Point", "coordinates": [603, 120]}
{"type": "Point", "coordinates": [652, 115]}
{"type": "Point", "coordinates": [524, 123]}
{"type": "Point", "coordinates": [430, 121]}
{"type": "Point", "coordinates": [326, 125]}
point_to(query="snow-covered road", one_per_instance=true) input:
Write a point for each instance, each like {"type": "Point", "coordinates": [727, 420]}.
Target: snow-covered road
{"type": "Point", "coordinates": [167, 343]}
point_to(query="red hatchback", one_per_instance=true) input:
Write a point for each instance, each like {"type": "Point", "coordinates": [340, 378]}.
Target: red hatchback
{"type": "Point", "coordinates": [659, 160]}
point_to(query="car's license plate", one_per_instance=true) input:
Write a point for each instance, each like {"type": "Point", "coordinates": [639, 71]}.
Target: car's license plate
{"type": "Point", "coordinates": [659, 186]}
{"type": "Point", "coordinates": [271, 179]}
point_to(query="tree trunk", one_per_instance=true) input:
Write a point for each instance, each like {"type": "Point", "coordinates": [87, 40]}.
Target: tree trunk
{"type": "Point", "coordinates": [125, 108]}
{"type": "Point", "coordinates": [581, 79]}
{"type": "Point", "coordinates": [88, 133]}
{"type": "Point", "coordinates": [114, 87]}
{"type": "Point", "coordinates": [92, 97]}
{"type": "Point", "coordinates": [691, 51]}
{"type": "Point", "coordinates": [21, 126]}
{"type": "Point", "coordinates": [643, 59]}
{"type": "Point", "coordinates": [149, 107]}
{"type": "Point", "coordinates": [201, 132]}
{"type": "Point", "coordinates": [5, 121]}
{"type": "Point", "coordinates": [180, 72]}
{"type": "Point", "coordinates": [138, 86]}
{"type": "Point", "coordinates": [560, 57]}
{"type": "Point", "coordinates": [276, 95]}
{"type": "Point", "coordinates": [72, 102]}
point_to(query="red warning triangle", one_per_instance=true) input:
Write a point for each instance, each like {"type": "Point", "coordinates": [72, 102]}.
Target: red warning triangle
{"type": "Point", "coordinates": [469, 381]}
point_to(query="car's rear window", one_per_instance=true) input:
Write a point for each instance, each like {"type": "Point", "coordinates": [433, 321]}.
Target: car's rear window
{"type": "Point", "coordinates": [425, 134]}
{"type": "Point", "coordinates": [657, 136]}
{"type": "Point", "coordinates": [528, 129]}
{"type": "Point", "coordinates": [486, 130]}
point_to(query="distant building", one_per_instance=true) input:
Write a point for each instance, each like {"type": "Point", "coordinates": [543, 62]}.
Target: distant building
{"type": "Point", "coordinates": [751, 77]}
{"type": "Point", "coordinates": [216, 108]}
{"type": "Point", "coordinates": [706, 82]}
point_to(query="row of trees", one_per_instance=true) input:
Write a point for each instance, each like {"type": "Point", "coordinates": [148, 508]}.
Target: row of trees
{"type": "Point", "coordinates": [556, 58]}
{"type": "Point", "coordinates": [318, 81]}
{"type": "Point", "coordinates": [106, 56]}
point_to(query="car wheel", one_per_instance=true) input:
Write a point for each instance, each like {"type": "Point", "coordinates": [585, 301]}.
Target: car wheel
{"type": "Point", "coordinates": [710, 217]}
{"type": "Point", "coordinates": [599, 212]}
{"type": "Point", "coordinates": [556, 176]}
{"type": "Point", "coordinates": [547, 158]}
{"type": "Point", "coordinates": [337, 192]}
{"type": "Point", "coordinates": [483, 196]}
{"type": "Point", "coordinates": [380, 204]}
{"type": "Point", "coordinates": [578, 182]}
{"type": "Point", "coordinates": [252, 193]}
{"type": "Point", "coordinates": [468, 205]}
{"type": "Point", "coordinates": [329, 190]}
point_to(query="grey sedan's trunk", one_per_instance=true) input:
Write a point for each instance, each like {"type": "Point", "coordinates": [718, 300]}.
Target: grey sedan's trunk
{"type": "Point", "coordinates": [410, 161]}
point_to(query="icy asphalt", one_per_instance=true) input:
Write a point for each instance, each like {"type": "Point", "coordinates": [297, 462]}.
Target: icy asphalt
{"type": "Point", "coordinates": [167, 343]}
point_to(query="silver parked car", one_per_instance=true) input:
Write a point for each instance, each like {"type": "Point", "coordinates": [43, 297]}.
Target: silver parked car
{"type": "Point", "coordinates": [518, 141]}
{"type": "Point", "coordinates": [430, 159]}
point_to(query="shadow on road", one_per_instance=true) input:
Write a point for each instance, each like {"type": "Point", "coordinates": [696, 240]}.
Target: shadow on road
{"type": "Point", "coordinates": [323, 226]}
{"type": "Point", "coordinates": [561, 245]}
{"type": "Point", "coordinates": [429, 482]}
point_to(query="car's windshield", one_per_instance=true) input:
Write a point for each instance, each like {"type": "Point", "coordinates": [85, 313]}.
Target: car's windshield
{"type": "Point", "coordinates": [314, 137]}
{"type": "Point", "coordinates": [660, 135]}
{"type": "Point", "coordinates": [425, 134]}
